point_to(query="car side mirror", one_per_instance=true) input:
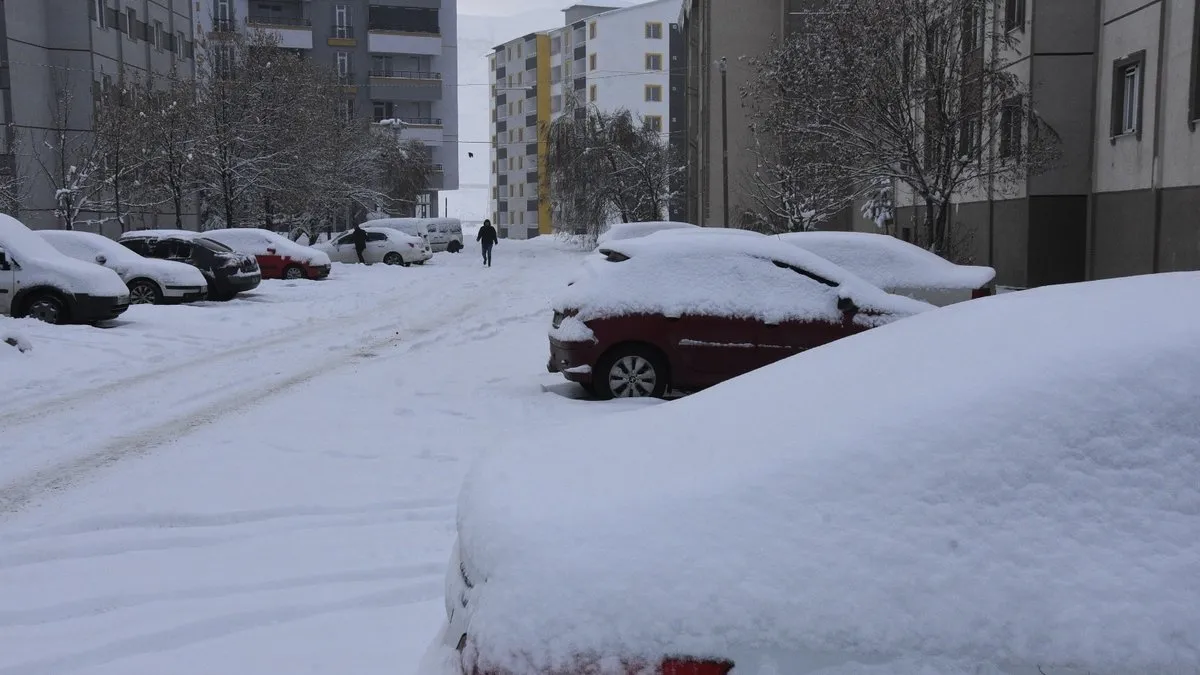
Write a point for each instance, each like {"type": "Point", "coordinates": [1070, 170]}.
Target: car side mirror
{"type": "Point", "coordinates": [847, 306]}
{"type": "Point", "coordinates": [100, 259]}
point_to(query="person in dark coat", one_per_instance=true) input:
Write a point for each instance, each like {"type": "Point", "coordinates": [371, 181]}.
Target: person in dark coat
{"type": "Point", "coordinates": [487, 238]}
{"type": "Point", "coordinates": [359, 237]}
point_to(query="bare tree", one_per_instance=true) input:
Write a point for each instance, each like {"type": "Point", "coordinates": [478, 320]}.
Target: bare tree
{"type": "Point", "coordinates": [14, 184]}
{"type": "Point", "coordinates": [170, 141]}
{"type": "Point", "coordinates": [912, 91]}
{"type": "Point", "coordinates": [788, 189]}
{"type": "Point", "coordinates": [70, 157]}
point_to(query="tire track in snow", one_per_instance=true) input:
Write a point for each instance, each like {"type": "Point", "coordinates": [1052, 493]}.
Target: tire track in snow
{"type": "Point", "coordinates": [20, 493]}
{"type": "Point", "coordinates": [216, 627]}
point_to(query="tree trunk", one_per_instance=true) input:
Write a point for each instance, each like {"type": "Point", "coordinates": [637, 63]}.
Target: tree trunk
{"type": "Point", "coordinates": [177, 198]}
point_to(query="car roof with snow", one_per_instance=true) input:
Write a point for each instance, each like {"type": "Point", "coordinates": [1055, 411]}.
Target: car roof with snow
{"type": "Point", "coordinates": [391, 232]}
{"type": "Point", "coordinates": [889, 262]}
{"type": "Point", "coordinates": [91, 240]}
{"type": "Point", "coordinates": [945, 494]}
{"type": "Point", "coordinates": [161, 234]}
{"type": "Point", "coordinates": [622, 231]}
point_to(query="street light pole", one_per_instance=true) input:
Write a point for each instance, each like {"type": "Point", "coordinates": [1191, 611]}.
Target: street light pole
{"type": "Point", "coordinates": [724, 139]}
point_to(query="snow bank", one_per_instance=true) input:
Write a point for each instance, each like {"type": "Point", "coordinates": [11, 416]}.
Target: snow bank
{"type": "Point", "coordinates": [1027, 497]}
{"type": "Point", "coordinates": [12, 336]}
{"type": "Point", "coordinates": [889, 262]}
{"type": "Point", "coordinates": [572, 330]}
{"type": "Point", "coordinates": [623, 231]}
{"type": "Point", "coordinates": [720, 276]}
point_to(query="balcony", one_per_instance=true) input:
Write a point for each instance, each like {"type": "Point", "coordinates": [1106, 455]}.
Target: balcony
{"type": "Point", "coordinates": [381, 41]}
{"type": "Point", "coordinates": [342, 36]}
{"type": "Point", "coordinates": [293, 32]}
{"type": "Point", "coordinates": [402, 85]}
{"type": "Point", "coordinates": [422, 121]}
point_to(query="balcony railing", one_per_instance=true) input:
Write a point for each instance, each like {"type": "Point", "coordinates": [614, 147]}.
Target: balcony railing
{"type": "Point", "coordinates": [438, 168]}
{"type": "Point", "coordinates": [223, 25]}
{"type": "Point", "coordinates": [406, 74]}
{"type": "Point", "coordinates": [342, 32]}
{"type": "Point", "coordinates": [289, 21]}
{"type": "Point", "coordinates": [422, 121]}
{"type": "Point", "coordinates": [346, 78]}
{"type": "Point", "coordinates": [423, 31]}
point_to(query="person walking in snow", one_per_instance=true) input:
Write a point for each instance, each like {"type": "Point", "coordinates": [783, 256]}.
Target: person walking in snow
{"type": "Point", "coordinates": [487, 239]}
{"type": "Point", "coordinates": [359, 237]}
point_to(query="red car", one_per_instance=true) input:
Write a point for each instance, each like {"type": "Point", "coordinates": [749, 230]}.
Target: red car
{"type": "Point", "coordinates": [683, 313]}
{"type": "Point", "coordinates": [278, 256]}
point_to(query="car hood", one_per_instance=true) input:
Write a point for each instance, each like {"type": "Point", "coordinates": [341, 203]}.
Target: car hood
{"type": "Point", "coordinates": [167, 271]}
{"type": "Point", "coordinates": [83, 277]}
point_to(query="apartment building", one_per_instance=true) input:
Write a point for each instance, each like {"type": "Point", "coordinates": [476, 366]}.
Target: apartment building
{"type": "Point", "coordinates": [51, 50]}
{"type": "Point", "coordinates": [399, 59]}
{"type": "Point", "coordinates": [610, 58]}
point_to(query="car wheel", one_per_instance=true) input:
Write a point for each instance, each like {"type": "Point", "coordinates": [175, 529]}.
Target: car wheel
{"type": "Point", "coordinates": [393, 258]}
{"type": "Point", "coordinates": [144, 292]}
{"type": "Point", "coordinates": [633, 371]}
{"type": "Point", "coordinates": [293, 272]}
{"type": "Point", "coordinates": [454, 246]}
{"type": "Point", "coordinates": [46, 308]}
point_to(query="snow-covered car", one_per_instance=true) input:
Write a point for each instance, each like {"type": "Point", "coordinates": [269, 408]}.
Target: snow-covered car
{"type": "Point", "coordinates": [443, 234]}
{"type": "Point", "coordinates": [898, 266]}
{"type": "Point", "coordinates": [278, 257]}
{"type": "Point", "coordinates": [384, 244]}
{"type": "Point", "coordinates": [662, 313]}
{"type": "Point", "coordinates": [940, 495]}
{"type": "Point", "coordinates": [149, 281]}
{"type": "Point", "coordinates": [622, 231]}
{"type": "Point", "coordinates": [226, 271]}
{"type": "Point", "coordinates": [38, 281]}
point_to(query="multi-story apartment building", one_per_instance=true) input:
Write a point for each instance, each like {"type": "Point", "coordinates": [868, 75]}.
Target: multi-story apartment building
{"type": "Point", "coordinates": [399, 59]}
{"type": "Point", "coordinates": [52, 51]}
{"type": "Point", "coordinates": [610, 58]}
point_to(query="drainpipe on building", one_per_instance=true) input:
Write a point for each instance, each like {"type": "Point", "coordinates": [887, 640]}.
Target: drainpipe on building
{"type": "Point", "coordinates": [724, 141]}
{"type": "Point", "coordinates": [1156, 171]}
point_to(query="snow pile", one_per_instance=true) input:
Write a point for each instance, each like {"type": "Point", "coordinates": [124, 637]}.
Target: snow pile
{"type": "Point", "coordinates": [85, 246]}
{"type": "Point", "coordinates": [9, 335]}
{"type": "Point", "coordinates": [258, 242]}
{"type": "Point", "coordinates": [889, 262]}
{"type": "Point", "coordinates": [1027, 498]}
{"type": "Point", "coordinates": [714, 231]}
{"type": "Point", "coordinates": [572, 330]}
{"type": "Point", "coordinates": [721, 276]}
{"type": "Point", "coordinates": [44, 264]}
{"type": "Point", "coordinates": [622, 231]}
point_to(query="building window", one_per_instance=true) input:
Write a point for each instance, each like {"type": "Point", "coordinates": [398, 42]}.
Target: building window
{"type": "Point", "coordinates": [592, 31]}
{"type": "Point", "coordinates": [179, 40]}
{"type": "Point", "coordinates": [1014, 14]}
{"type": "Point", "coordinates": [654, 30]}
{"type": "Point", "coordinates": [591, 61]}
{"type": "Point", "coordinates": [654, 122]}
{"type": "Point", "coordinates": [224, 17]}
{"type": "Point", "coordinates": [654, 62]}
{"type": "Point", "coordinates": [972, 30]}
{"type": "Point", "coordinates": [159, 36]}
{"type": "Point", "coordinates": [341, 22]}
{"type": "Point", "coordinates": [347, 109]}
{"type": "Point", "coordinates": [1195, 116]}
{"type": "Point", "coordinates": [592, 93]}
{"type": "Point", "coordinates": [969, 138]}
{"type": "Point", "coordinates": [132, 24]}
{"type": "Point", "coordinates": [1128, 83]}
{"type": "Point", "coordinates": [343, 64]}
{"type": "Point", "coordinates": [1011, 133]}
{"type": "Point", "coordinates": [556, 44]}
{"type": "Point", "coordinates": [98, 12]}
{"type": "Point", "coordinates": [556, 104]}
{"type": "Point", "coordinates": [654, 93]}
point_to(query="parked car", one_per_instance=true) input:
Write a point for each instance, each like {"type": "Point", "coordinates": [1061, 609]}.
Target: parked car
{"type": "Point", "coordinates": [384, 244]}
{"type": "Point", "coordinates": [623, 231]}
{"type": "Point", "coordinates": [686, 313]}
{"type": "Point", "coordinates": [443, 234]}
{"type": "Point", "coordinates": [38, 281]}
{"type": "Point", "coordinates": [227, 271]}
{"type": "Point", "coordinates": [278, 257]}
{"type": "Point", "coordinates": [149, 281]}
{"type": "Point", "coordinates": [944, 494]}
{"type": "Point", "coordinates": [898, 266]}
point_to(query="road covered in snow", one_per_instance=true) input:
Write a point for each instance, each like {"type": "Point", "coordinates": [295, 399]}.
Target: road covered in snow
{"type": "Point", "coordinates": [266, 485]}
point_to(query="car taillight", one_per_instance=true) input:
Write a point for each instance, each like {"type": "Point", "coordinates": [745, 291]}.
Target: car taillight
{"type": "Point", "coordinates": [683, 666]}
{"type": "Point", "coordinates": [981, 292]}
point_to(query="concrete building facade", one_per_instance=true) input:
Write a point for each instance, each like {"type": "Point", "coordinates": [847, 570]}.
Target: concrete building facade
{"type": "Point", "coordinates": [399, 59]}
{"type": "Point", "coordinates": [54, 48]}
{"type": "Point", "coordinates": [610, 58]}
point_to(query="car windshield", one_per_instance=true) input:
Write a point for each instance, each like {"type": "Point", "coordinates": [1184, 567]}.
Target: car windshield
{"type": "Point", "coordinates": [212, 245]}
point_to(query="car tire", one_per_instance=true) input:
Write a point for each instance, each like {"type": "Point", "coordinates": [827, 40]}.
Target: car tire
{"type": "Point", "coordinates": [630, 371]}
{"type": "Point", "coordinates": [393, 258]}
{"type": "Point", "coordinates": [144, 292]}
{"type": "Point", "coordinates": [454, 246]}
{"type": "Point", "coordinates": [46, 307]}
{"type": "Point", "coordinates": [293, 272]}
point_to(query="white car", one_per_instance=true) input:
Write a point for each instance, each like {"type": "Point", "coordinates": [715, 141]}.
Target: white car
{"type": "Point", "coordinates": [150, 281]}
{"type": "Point", "coordinates": [278, 257]}
{"type": "Point", "coordinates": [384, 244]}
{"type": "Point", "coordinates": [620, 231]}
{"type": "Point", "coordinates": [898, 266]}
{"type": "Point", "coordinates": [38, 281]}
{"type": "Point", "coordinates": [1009, 486]}
{"type": "Point", "coordinates": [443, 234]}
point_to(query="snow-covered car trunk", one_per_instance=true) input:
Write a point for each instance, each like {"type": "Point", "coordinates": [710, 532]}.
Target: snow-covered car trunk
{"type": "Point", "coordinates": [1029, 505]}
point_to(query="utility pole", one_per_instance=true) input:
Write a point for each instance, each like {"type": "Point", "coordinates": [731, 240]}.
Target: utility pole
{"type": "Point", "coordinates": [724, 67]}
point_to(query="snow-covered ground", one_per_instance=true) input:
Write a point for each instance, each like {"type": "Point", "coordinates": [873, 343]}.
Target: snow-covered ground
{"type": "Point", "coordinates": [266, 485]}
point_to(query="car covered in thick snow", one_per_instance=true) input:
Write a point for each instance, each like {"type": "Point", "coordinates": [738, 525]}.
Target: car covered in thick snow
{"type": "Point", "coordinates": [662, 313]}
{"type": "Point", "coordinates": [39, 281]}
{"type": "Point", "coordinates": [623, 231]}
{"type": "Point", "coordinates": [898, 266]}
{"type": "Point", "coordinates": [945, 494]}
{"type": "Point", "coordinates": [226, 271]}
{"type": "Point", "coordinates": [150, 281]}
{"type": "Point", "coordinates": [384, 244]}
{"type": "Point", "coordinates": [278, 257]}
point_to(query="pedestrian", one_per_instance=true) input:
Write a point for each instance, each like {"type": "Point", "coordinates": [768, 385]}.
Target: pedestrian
{"type": "Point", "coordinates": [359, 237]}
{"type": "Point", "coordinates": [487, 239]}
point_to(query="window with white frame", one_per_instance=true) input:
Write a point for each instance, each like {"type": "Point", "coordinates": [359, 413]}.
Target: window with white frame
{"type": "Point", "coordinates": [655, 122]}
{"type": "Point", "coordinates": [342, 22]}
{"type": "Point", "coordinates": [654, 93]}
{"type": "Point", "coordinates": [1014, 14]}
{"type": "Point", "coordinates": [343, 64]}
{"type": "Point", "coordinates": [1128, 85]}
{"type": "Point", "coordinates": [654, 30]}
{"type": "Point", "coordinates": [654, 61]}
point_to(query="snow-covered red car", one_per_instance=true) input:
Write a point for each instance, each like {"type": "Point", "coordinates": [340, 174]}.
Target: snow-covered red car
{"type": "Point", "coordinates": [278, 257]}
{"type": "Point", "coordinates": [898, 266]}
{"type": "Point", "coordinates": [942, 495]}
{"type": "Point", "coordinates": [661, 312]}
